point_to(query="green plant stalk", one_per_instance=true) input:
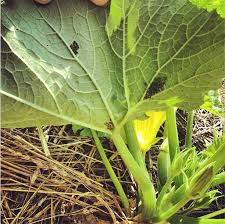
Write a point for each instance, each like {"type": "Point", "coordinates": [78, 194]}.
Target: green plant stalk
{"type": "Point", "coordinates": [218, 179]}
{"type": "Point", "coordinates": [43, 141]}
{"type": "Point", "coordinates": [189, 130]}
{"type": "Point", "coordinates": [133, 144]}
{"type": "Point", "coordinates": [213, 214]}
{"type": "Point", "coordinates": [135, 150]}
{"type": "Point", "coordinates": [111, 172]}
{"type": "Point", "coordinates": [140, 175]}
{"type": "Point", "coordinates": [172, 132]}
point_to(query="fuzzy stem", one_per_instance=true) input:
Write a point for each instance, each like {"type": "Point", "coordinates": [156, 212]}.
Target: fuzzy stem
{"type": "Point", "coordinates": [140, 175]}
{"type": "Point", "coordinates": [111, 172]}
{"type": "Point", "coordinates": [189, 130]}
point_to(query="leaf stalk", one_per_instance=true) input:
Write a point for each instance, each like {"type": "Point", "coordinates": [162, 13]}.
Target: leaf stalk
{"type": "Point", "coordinates": [141, 176]}
{"type": "Point", "coordinates": [111, 172]}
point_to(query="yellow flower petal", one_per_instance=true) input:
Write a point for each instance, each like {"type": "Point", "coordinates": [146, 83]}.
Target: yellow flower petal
{"type": "Point", "coordinates": [147, 129]}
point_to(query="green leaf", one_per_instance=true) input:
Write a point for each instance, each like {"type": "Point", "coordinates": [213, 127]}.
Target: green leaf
{"type": "Point", "coordinates": [213, 104]}
{"type": "Point", "coordinates": [209, 5]}
{"type": "Point", "coordinates": [17, 107]}
{"type": "Point", "coordinates": [218, 141]}
{"type": "Point", "coordinates": [86, 132]}
{"type": "Point", "coordinates": [60, 66]}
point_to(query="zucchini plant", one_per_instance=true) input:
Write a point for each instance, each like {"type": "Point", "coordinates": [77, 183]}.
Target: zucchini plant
{"type": "Point", "coordinates": [72, 62]}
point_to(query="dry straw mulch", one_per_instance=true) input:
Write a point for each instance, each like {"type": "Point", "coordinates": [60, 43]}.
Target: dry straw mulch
{"type": "Point", "coordinates": [68, 187]}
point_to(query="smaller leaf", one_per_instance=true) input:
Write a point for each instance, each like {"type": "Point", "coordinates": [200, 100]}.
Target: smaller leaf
{"type": "Point", "coordinates": [76, 128]}
{"type": "Point", "coordinates": [212, 149]}
{"type": "Point", "coordinates": [213, 104]}
{"type": "Point", "coordinates": [86, 132]}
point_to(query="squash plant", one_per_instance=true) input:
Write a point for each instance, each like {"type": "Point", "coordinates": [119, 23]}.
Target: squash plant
{"type": "Point", "coordinates": [61, 64]}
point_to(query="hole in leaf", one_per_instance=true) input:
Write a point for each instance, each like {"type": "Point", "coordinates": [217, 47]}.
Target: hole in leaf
{"type": "Point", "coordinates": [74, 47]}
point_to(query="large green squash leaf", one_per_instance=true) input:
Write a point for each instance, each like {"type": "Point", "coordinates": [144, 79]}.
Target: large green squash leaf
{"type": "Point", "coordinates": [59, 65]}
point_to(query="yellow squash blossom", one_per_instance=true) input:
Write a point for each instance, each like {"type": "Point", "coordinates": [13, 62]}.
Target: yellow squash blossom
{"type": "Point", "coordinates": [147, 129]}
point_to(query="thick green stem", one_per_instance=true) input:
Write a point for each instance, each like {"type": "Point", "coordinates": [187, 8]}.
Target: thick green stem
{"type": "Point", "coordinates": [133, 144]}
{"type": "Point", "coordinates": [135, 150]}
{"type": "Point", "coordinates": [189, 130]}
{"type": "Point", "coordinates": [111, 172]}
{"type": "Point", "coordinates": [140, 175]}
{"type": "Point", "coordinates": [43, 141]}
{"type": "Point", "coordinates": [172, 132]}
